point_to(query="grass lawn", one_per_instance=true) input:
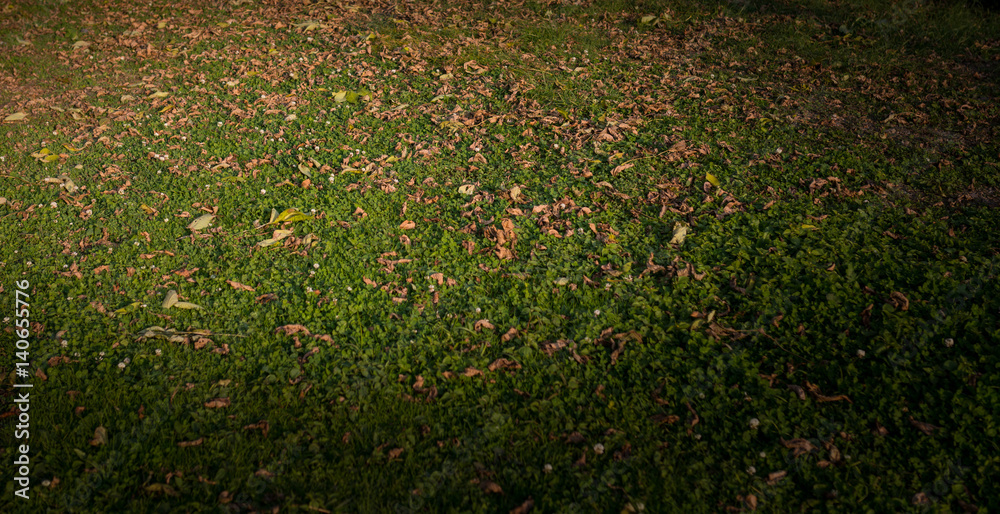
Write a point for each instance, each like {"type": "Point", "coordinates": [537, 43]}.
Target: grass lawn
{"type": "Point", "coordinates": [572, 256]}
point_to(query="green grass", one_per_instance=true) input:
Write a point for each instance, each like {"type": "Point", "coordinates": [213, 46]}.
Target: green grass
{"type": "Point", "coordinates": [822, 337]}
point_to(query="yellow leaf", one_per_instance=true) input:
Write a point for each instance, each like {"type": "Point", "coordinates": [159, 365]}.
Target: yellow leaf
{"type": "Point", "coordinates": [72, 149]}
{"type": "Point", "coordinates": [340, 96]}
{"type": "Point", "coordinates": [100, 437]}
{"type": "Point", "coordinates": [17, 116]}
{"type": "Point", "coordinates": [166, 109]}
{"type": "Point", "coordinates": [128, 308]}
{"type": "Point", "coordinates": [201, 222]}
{"type": "Point", "coordinates": [147, 209]}
{"type": "Point", "coordinates": [712, 180]}
{"type": "Point", "coordinates": [159, 94]}
{"type": "Point", "coordinates": [170, 299]}
{"type": "Point", "coordinates": [81, 44]}
{"type": "Point", "coordinates": [680, 232]}
{"type": "Point", "coordinates": [279, 234]}
{"type": "Point", "coordinates": [50, 158]}
{"type": "Point", "coordinates": [290, 215]}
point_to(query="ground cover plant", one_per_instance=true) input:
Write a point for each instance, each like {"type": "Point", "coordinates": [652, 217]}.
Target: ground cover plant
{"type": "Point", "coordinates": [377, 256]}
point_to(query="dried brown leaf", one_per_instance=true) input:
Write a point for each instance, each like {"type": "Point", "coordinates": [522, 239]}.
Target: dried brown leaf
{"type": "Point", "coordinates": [239, 286]}
{"type": "Point", "coordinates": [217, 403]}
{"type": "Point", "coordinates": [523, 508]}
{"type": "Point", "coordinates": [490, 487]}
{"type": "Point", "coordinates": [926, 428]}
{"type": "Point", "coordinates": [187, 444]}
{"type": "Point", "coordinates": [777, 476]}
{"type": "Point", "coordinates": [798, 446]}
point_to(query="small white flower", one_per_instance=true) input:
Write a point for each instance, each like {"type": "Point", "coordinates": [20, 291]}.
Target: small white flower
{"type": "Point", "coordinates": [219, 123]}
{"type": "Point", "coordinates": [948, 343]}
{"type": "Point", "coordinates": [763, 455]}
{"type": "Point", "coordinates": [599, 449]}
{"type": "Point", "coordinates": [752, 470]}
{"type": "Point", "coordinates": [127, 360]}
{"type": "Point", "coordinates": [349, 288]}
{"type": "Point", "coordinates": [263, 191]}
{"type": "Point", "coordinates": [597, 312]}
{"type": "Point", "coordinates": [101, 354]}
{"type": "Point", "coordinates": [53, 205]}
{"type": "Point", "coordinates": [861, 354]}
{"type": "Point", "coordinates": [159, 351]}
{"type": "Point", "coordinates": [478, 310]}
{"type": "Point", "coordinates": [697, 437]}
{"type": "Point", "coordinates": [121, 365]}
{"type": "Point", "coordinates": [315, 265]}
{"type": "Point", "coordinates": [754, 423]}
{"type": "Point", "coordinates": [547, 468]}
{"type": "Point", "coordinates": [64, 343]}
